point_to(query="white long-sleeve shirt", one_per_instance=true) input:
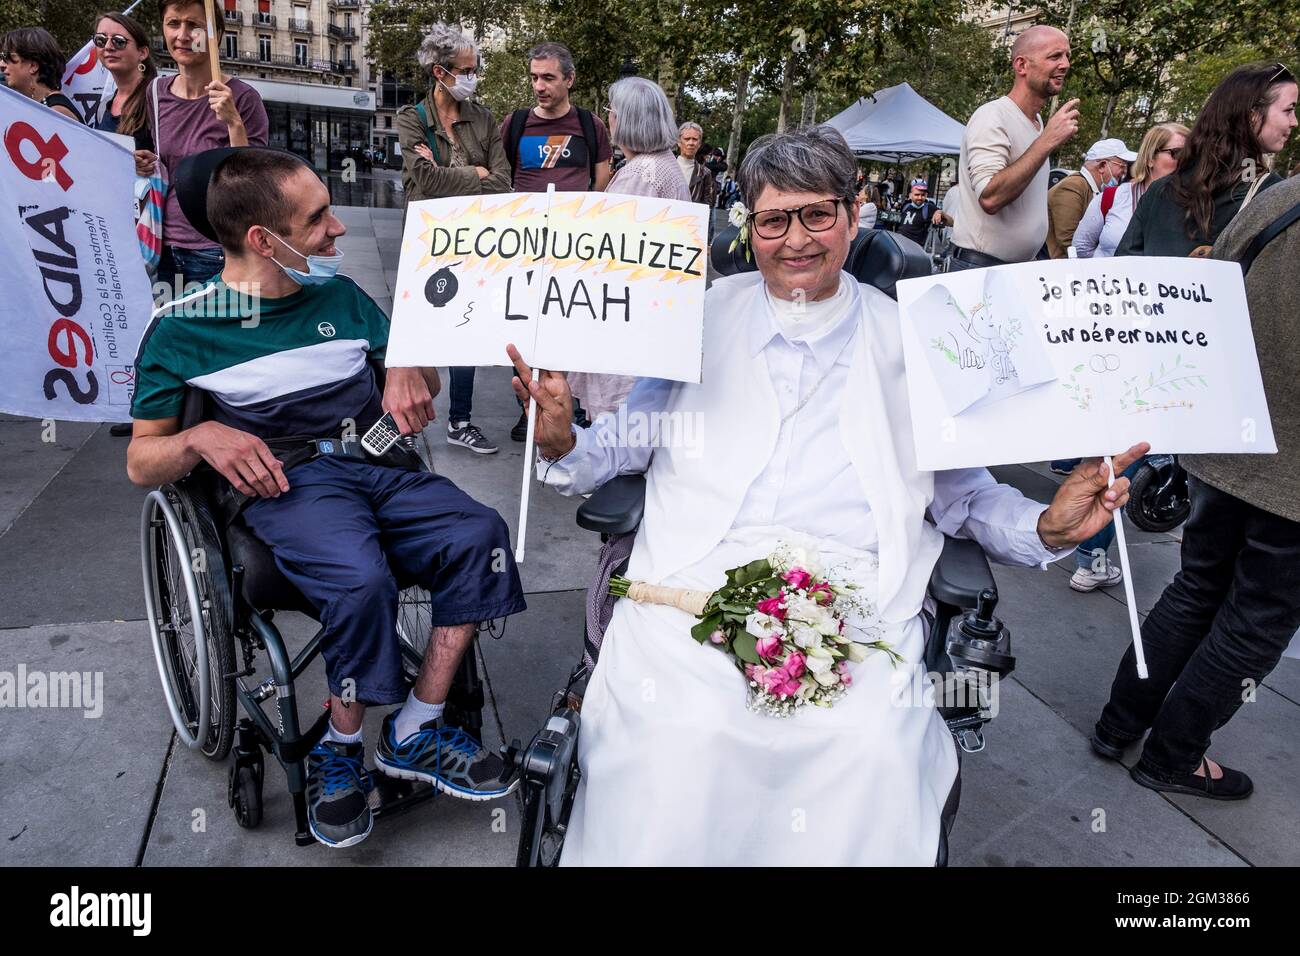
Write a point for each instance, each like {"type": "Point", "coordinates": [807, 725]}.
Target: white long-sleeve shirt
{"type": "Point", "coordinates": [1097, 236]}
{"type": "Point", "coordinates": [824, 498]}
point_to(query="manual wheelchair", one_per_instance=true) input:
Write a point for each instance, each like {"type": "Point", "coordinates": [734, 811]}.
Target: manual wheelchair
{"type": "Point", "coordinates": [966, 644]}
{"type": "Point", "coordinates": [212, 590]}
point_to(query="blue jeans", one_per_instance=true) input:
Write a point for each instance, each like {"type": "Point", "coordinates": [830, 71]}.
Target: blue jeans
{"type": "Point", "coordinates": [347, 532]}
{"type": "Point", "coordinates": [1087, 552]}
{"type": "Point", "coordinates": [180, 267]}
{"type": "Point", "coordinates": [462, 393]}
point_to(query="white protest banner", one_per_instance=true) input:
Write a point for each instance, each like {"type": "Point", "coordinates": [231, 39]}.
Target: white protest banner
{"type": "Point", "coordinates": [600, 283]}
{"type": "Point", "coordinates": [77, 297]}
{"type": "Point", "coordinates": [579, 282]}
{"type": "Point", "coordinates": [1081, 357]}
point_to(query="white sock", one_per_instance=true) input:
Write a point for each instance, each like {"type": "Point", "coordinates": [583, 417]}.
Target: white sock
{"type": "Point", "coordinates": [413, 714]}
{"type": "Point", "coordinates": [333, 733]}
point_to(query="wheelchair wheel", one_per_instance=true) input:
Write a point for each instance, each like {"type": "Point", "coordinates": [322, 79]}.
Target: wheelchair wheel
{"type": "Point", "coordinates": [414, 621]}
{"type": "Point", "coordinates": [244, 794]}
{"type": "Point", "coordinates": [188, 605]}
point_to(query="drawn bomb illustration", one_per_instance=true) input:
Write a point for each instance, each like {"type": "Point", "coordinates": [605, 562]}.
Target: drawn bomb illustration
{"type": "Point", "coordinates": [441, 287]}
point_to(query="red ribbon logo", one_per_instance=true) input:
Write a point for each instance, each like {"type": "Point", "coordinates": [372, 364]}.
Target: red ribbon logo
{"type": "Point", "coordinates": [52, 151]}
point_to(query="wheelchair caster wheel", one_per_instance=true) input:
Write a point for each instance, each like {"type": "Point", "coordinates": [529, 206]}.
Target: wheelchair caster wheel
{"type": "Point", "coordinates": [244, 793]}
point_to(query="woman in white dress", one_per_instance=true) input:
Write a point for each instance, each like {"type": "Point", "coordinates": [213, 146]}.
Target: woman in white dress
{"type": "Point", "coordinates": [805, 439]}
{"type": "Point", "coordinates": [1099, 232]}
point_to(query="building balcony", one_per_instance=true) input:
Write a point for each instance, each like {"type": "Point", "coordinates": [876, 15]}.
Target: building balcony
{"type": "Point", "coordinates": [279, 61]}
{"type": "Point", "coordinates": [263, 20]}
{"type": "Point", "coordinates": [234, 16]}
{"type": "Point", "coordinates": [343, 33]}
{"type": "Point", "coordinates": [345, 66]}
{"type": "Point", "coordinates": [346, 4]}
{"type": "Point", "coordinates": [301, 26]}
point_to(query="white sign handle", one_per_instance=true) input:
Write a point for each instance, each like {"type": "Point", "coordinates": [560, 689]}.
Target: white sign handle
{"type": "Point", "coordinates": [1128, 579]}
{"type": "Point", "coordinates": [532, 404]}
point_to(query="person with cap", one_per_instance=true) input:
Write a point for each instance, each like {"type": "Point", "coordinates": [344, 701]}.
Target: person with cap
{"type": "Point", "coordinates": [1104, 165]}
{"type": "Point", "coordinates": [920, 213]}
{"type": "Point", "coordinates": [290, 387]}
{"type": "Point", "coordinates": [1003, 167]}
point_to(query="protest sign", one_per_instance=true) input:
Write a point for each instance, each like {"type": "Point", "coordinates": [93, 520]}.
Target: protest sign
{"type": "Point", "coordinates": [1081, 357]}
{"type": "Point", "coordinates": [1078, 358]}
{"type": "Point", "coordinates": [582, 282]}
{"type": "Point", "coordinates": [77, 294]}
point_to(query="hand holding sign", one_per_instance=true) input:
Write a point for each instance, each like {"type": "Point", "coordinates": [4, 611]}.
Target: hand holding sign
{"type": "Point", "coordinates": [1086, 501]}
{"type": "Point", "coordinates": [554, 434]}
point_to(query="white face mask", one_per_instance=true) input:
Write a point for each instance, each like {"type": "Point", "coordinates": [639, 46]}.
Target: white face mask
{"type": "Point", "coordinates": [464, 87]}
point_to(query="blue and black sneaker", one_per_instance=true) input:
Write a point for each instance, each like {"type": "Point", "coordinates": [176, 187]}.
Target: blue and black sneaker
{"type": "Point", "coordinates": [338, 786]}
{"type": "Point", "coordinates": [446, 757]}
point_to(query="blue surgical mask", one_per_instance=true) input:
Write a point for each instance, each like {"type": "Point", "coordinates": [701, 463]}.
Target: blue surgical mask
{"type": "Point", "coordinates": [1113, 181]}
{"type": "Point", "coordinates": [320, 268]}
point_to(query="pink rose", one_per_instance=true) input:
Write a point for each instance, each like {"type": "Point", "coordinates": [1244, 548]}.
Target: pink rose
{"type": "Point", "coordinates": [773, 606]}
{"type": "Point", "coordinates": [717, 637]}
{"type": "Point", "coordinates": [842, 668]}
{"type": "Point", "coordinates": [794, 665]}
{"type": "Point", "coordinates": [757, 673]}
{"type": "Point", "coordinates": [797, 578]}
{"type": "Point", "coordinates": [768, 647]}
{"type": "Point", "coordinates": [786, 687]}
{"type": "Point", "coordinates": [821, 593]}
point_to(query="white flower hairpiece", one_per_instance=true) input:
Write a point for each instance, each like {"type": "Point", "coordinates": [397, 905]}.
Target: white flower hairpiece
{"type": "Point", "coordinates": [738, 216]}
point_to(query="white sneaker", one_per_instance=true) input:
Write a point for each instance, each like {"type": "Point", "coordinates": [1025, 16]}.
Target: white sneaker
{"type": "Point", "coordinates": [1086, 579]}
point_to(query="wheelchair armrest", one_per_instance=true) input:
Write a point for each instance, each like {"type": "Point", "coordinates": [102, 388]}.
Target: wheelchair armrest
{"type": "Point", "coordinates": [961, 573]}
{"type": "Point", "coordinates": [615, 507]}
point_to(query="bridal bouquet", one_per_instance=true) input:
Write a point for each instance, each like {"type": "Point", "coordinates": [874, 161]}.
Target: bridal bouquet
{"type": "Point", "coordinates": [784, 624]}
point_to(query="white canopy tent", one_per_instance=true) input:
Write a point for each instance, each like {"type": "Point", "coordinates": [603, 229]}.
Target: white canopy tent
{"type": "Point", "coordinates": [897, 125]}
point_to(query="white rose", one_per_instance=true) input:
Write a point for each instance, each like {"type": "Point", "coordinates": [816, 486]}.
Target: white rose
{"type": "Point", "coordinates": [826, 678]}
{"type": "Point", "coordinates": [736, 215]}
{"type": "Point", "coordinates": [858, 652]}
{"type": "Point", "coordinates": [804, 636]}
{"type": "Point", "coordinates": [762, 625]}
{"type": "Point", "coordinates": [817, 664]}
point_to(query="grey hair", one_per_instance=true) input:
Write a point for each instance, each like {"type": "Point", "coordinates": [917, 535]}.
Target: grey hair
{"type": "Point", "coordinates": [553, 51]}
{"type": "Point", "coordinates": [689, 125]}
{"type": "Point", "coordinates": [645, 120]}
{"type": "Point", "coordinates": [815, 160]}
{"type": "Point", "coordinates": [441, 47]}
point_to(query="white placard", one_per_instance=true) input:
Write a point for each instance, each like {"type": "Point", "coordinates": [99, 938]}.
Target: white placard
{"type": "Point", "coordinates": [77, 296]}
{"type": "Point", "coordinates": [1081, 357]}
{"type": "Point", "coordinates": [594, 283]}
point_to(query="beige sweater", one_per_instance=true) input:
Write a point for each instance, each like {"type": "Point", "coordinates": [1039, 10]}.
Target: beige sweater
{"type": "Point", "coordinates": [1270, 482]}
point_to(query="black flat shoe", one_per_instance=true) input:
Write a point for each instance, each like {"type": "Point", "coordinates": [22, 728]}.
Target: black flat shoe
{"type": "Point", "coordinates": [520, 431]}
{"type": "Point", "coordinates": [1105, 744]}
{"type": "Point", "coordinates": [1233, 785]}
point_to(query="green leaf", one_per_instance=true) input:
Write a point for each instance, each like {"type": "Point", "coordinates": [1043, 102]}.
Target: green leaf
{"type": "Point", "coordinates": [1139, 402]}
{"type": "Point", "coordinates": [743, 646]}
{"type": "Point", "coordinates": [707, 625]}
{"type": "Point", "coordinates": [1079, 367]}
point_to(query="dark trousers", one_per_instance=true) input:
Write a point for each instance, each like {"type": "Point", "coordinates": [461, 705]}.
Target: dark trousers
{"type": "Point", "coordinates": [181, 267]}
{"type": "Point", "coordinates": [1218, 629]}
{"type": "Point", "coordinates": [347, 531]}
{"type": "Point", "coordinates": [461, 394]}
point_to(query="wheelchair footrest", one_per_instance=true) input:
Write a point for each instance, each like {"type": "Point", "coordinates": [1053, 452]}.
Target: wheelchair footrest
{"type": "Point", "coordinates": [392, 796]}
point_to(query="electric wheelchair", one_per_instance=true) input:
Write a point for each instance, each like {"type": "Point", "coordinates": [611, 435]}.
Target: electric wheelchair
{"type": "Point", "coordinates": [212, 590]}
{"type": "Point", "coordinates": [966, 643]}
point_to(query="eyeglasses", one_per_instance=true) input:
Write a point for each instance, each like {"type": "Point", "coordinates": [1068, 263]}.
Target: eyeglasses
{"type": "Point", "coordinates": [102, 40]}
{"type": "Point", "coordinates": [12, 58]}
{"type": "Point", "coordinates": [814, 216]}
{"type": "Point", "coordinates": [1280, 70]}
{"type": "Point", "coordinates": [1173, 151]}
{"type": "Point", "coordinates": [458, 71]}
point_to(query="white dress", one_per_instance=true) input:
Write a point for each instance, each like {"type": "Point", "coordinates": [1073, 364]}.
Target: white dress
{"type": "Point", "coordinates": [676, 769]}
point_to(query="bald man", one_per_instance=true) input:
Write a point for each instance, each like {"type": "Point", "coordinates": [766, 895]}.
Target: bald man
{"type": "Point", "coordinates": [1002, 172]}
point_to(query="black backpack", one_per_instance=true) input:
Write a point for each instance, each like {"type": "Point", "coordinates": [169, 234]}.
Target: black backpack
{"type": "Point", "coordinates": [516, 132]}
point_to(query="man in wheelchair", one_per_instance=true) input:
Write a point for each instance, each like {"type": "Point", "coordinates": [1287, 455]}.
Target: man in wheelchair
{"type": "Point", "coordinates": [290, 387]}
{"type": "Point", "coordinates": [806, 439]}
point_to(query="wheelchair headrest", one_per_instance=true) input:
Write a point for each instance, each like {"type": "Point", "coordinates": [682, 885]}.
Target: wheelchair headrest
{"type": "Point", "coordinates": [876, 258]}
{"type": "Point", "coordinates": [194, 176]}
